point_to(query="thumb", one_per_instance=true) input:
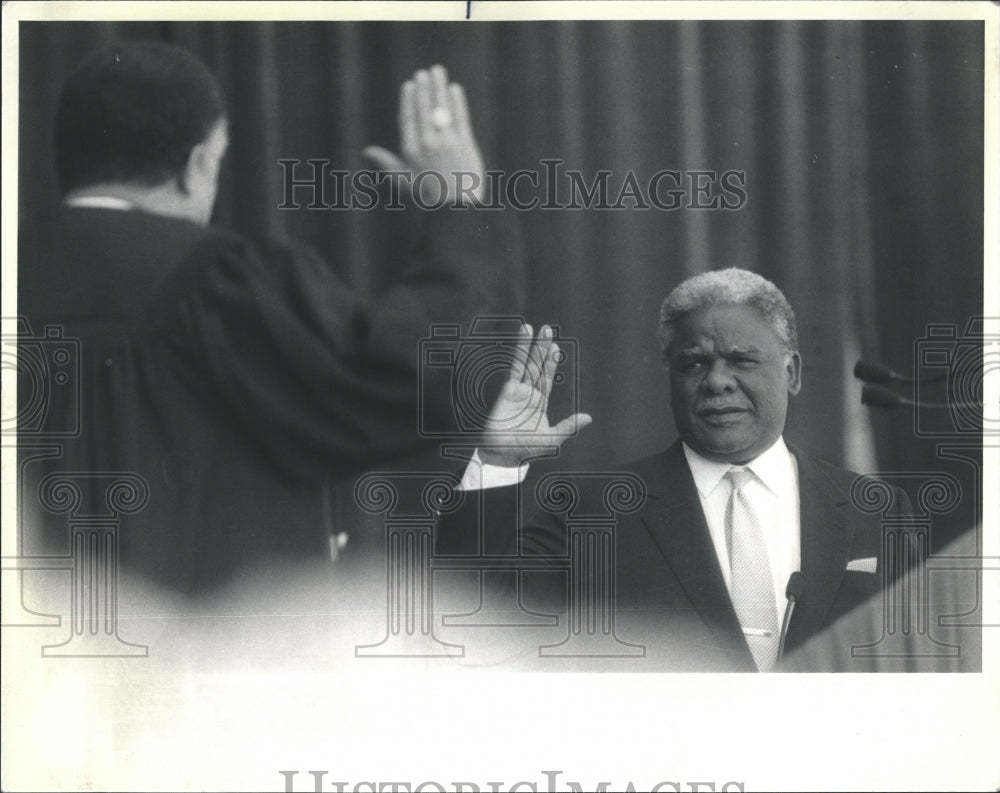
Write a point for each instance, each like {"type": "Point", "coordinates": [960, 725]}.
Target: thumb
{"type": "Point", "coordinates": [572, 424]}
{"type": "Point", "coordinates": [384, 159]}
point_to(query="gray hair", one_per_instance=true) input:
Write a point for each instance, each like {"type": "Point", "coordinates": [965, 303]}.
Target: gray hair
{"type": "Point", "coordinates": [728, 287]}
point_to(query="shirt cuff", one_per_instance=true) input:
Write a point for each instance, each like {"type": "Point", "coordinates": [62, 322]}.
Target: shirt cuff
{"type": "Point", "coordinates": [481, 476]}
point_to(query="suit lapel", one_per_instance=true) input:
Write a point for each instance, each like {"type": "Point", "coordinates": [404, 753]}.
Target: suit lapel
{"type": "Point", "coordinates": [674, 518]}
{"type": "Point", "coordinates": [826, 538]}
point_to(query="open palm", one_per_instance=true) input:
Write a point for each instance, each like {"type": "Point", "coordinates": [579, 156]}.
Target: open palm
{"type": "Point", "coordinates": [436, 137]}
{"type": "Point", "coordinates": [518, 427]}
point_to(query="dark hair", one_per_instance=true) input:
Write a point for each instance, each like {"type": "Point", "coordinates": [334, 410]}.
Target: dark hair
{"type": "Point", "coordinates": [132, 113]}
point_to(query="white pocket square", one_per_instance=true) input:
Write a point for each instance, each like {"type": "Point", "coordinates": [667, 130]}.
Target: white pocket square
{"type": "Point", "coordinates": [869, 565]}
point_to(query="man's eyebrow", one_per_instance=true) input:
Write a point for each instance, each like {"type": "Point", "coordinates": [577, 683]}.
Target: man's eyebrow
{"type": "Point", "coordinates": [737, 350]}
{"type": "Point", "coordinates": [700, 352]}
{"type": "Point", "coordinates": [692, 352]}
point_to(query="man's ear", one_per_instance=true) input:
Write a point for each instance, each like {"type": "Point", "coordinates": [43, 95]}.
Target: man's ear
{"type": "Point", "coordinates": [194, 171]}
{"type": "Point", "coordinates": [793, 368]}
{"type": "Point", "coordinates": [205, 160]}
{"type": "Point", "coordinates": [186, 176]}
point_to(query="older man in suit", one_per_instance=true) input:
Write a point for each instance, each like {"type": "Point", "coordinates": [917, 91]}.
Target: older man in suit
{"type": "Point", "coordinates": [730, 513]}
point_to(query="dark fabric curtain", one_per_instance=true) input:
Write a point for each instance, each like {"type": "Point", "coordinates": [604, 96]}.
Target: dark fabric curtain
{"type": "Point", "coordinates": [861, 144]}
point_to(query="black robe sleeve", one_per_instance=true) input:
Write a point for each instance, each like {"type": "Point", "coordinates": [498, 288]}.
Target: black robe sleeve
{"type": "Point", "coordinates": [325, 381]}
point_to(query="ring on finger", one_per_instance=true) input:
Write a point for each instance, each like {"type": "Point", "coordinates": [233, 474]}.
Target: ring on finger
{"type": "Point", "coordinates": [441, 117]}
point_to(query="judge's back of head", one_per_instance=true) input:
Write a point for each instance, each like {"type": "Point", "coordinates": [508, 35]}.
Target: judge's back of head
{"type": "Point", "coordinates": [131, 113]}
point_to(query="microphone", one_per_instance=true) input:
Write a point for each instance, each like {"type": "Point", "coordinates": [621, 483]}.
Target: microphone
{"type": "Point", "coordinates": [876, 373]}
{"type": "Point", "coordinates": [878, 397]}
{"type": "Point", "coordinates": [880, 373]}
{"type": "Point", "coordinates": [793, 591]}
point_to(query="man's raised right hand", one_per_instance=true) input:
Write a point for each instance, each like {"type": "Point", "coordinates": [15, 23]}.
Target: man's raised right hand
{"type": "Point", "coordinates": [518, 426]}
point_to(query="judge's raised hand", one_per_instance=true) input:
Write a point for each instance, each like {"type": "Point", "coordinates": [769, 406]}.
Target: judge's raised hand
{"type": "Point", "coordinates": [437, 141]}
{"type": "Point", "coordinates": [518, 425]}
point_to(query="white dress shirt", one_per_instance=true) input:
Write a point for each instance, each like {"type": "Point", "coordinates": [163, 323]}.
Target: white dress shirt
{"type": "Point", "coordinates": [482, 476]}
{"type": "Point", "coordinates": [774, 497]}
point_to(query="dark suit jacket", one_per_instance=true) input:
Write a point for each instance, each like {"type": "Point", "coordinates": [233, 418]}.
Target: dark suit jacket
{"type": "Point", "coordinates": [235, 377]}
{"type": "Point", "coordinates": [670, 593]}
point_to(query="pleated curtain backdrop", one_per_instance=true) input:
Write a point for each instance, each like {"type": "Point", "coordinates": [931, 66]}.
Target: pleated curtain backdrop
{"type": "Point", "coordinates": [861, 144]}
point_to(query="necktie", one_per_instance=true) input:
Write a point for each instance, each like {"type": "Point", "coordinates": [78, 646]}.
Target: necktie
{"type": "Point", "coordinates": [751, 589]}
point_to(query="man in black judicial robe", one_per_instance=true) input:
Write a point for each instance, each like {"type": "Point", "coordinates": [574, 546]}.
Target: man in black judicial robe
{"type": "Point", "coordinates": [236, 378]}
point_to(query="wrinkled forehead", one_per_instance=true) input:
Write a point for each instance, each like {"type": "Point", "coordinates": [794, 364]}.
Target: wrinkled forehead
{"type": "Point", "coordinates": [724, 329]}
{"type": "Point", "coordinates": [712, 346]}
